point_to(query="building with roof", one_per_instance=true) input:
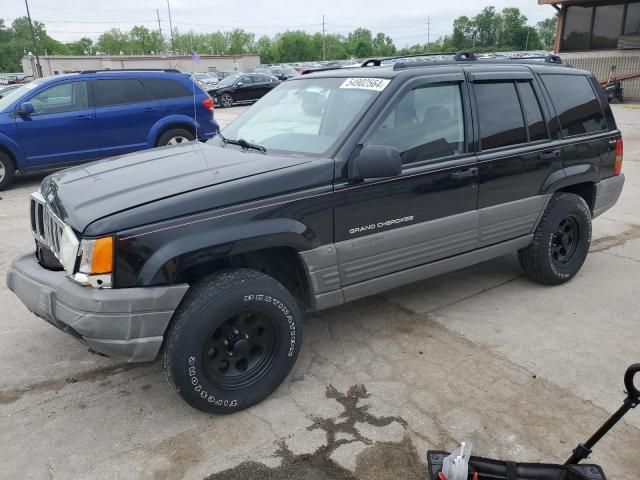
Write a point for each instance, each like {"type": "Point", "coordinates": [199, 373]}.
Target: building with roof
{"type": "Point", "coordinates": [58, 64]}
{"type": "Point", "coordinates": [600, 34]}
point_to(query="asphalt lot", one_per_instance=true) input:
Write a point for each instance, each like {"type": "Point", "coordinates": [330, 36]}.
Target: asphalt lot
{"type": "Point", "coordinates": [523, 370]}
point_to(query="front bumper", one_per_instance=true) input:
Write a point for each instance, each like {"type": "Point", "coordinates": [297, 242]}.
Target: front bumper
{"type": "Point", "coordinates": [126, 323]}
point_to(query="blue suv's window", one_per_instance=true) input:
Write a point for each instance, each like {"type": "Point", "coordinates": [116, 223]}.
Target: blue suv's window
{"type": "Point", "coordinates": [119, 91]}
{"type": "Point", "coordinates": [66, 97]}
{"type": "Point", "coordinates": [162, 88]}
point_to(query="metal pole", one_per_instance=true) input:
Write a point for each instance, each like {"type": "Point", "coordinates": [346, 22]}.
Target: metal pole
{"type": "Point", "coordinates": [324, 43]}
{"type": "Point", "coordinates": [38, 74]}
{"type": "Point", "coordinates": [173, 48]}
{"type": "Point", "coordinates": [428, 32]}
{"type": "Point", "coordinates": [159, 26]}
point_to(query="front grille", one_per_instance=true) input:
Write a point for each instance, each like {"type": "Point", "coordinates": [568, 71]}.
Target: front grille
{"type": "Point", "coordinates": [45, 226]}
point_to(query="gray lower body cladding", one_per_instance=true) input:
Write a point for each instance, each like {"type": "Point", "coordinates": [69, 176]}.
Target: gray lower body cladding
{"type": "Point", "coordinates": [124, 323]}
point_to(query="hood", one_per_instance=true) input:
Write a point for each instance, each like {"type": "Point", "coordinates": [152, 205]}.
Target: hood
{"type": "Point", "coordinates": [84, 194]}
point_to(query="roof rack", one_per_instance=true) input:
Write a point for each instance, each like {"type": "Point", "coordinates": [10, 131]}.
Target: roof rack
{"type": "Point", "coordinates": [168, 70]}
{"type": "Point", "coordinates": [462, 56]}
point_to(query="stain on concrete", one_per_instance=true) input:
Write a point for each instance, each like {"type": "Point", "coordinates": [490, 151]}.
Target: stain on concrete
{"type": "Point", "coordinates": [182, 451]}
{"type": "Point", "coordinates": [319, 466]}
{"type": "Point", "coordinates": [12, 395]}
{"type": "Point", "coordinates": [605, 243]}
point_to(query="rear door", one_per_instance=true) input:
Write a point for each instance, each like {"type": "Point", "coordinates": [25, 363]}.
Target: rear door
{"type": "Point", "coordinates": [125, 114]}
{"type": "Point", "coordinates": [516, 154]}
{"type": "Point", "coordinates": [173, 95]}
{"type": "Point", "coordinates": [587, 143]}
{"type": "Point", "coordinates": [62, 128]}
{"type": "Point", "coordinates": [429, 211]}
{"type": "Point", "coordinates": [244, 89]}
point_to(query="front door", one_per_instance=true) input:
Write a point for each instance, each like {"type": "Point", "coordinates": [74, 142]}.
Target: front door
{"type": "Point", "coordinates": [429, 211]}
{"type": "Point", "coordinates": [62, 128]}
{"type": "Point", "coordinates": [125, 115]}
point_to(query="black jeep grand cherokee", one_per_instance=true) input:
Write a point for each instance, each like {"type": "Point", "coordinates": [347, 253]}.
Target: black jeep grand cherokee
{"type": "Point", "coordinates": [336, 185]}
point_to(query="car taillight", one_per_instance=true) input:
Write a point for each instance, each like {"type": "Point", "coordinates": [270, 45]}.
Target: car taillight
{"type": "Point", "coordinates": [617, 167]}
{"type": "Point", "coordinates": [208, 104]}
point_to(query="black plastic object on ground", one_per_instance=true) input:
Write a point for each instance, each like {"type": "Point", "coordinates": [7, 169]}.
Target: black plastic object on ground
{"type": "Point", "coordinates": [488, 468]}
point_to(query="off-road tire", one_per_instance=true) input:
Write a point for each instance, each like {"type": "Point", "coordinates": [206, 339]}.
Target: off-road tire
{"type": "Point", "coordinates": [204, 313]}
{"type": "Point", "coordinates": [166, 137]}
{"type": "Point", "coordinates": [8, 167]}
{"type": "Point", "coordinates": [538, 259]}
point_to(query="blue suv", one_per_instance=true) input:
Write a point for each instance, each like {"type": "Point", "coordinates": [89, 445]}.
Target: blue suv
{"type": "Point", "coordinates": [59, 121]}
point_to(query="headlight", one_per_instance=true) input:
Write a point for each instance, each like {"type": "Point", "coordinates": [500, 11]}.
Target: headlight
{"type": "Point", "coordinates": [68, 249]}
{"type": "Point", "coordinates": [96, 262]}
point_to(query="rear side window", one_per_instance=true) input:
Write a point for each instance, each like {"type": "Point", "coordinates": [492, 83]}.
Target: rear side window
{"type": "Point", "coordinates": [531, 106]}
{"type": "Point", "coordinates": [119, 91]}
{"type": "Point", "coordinates": [501, 121]}
{"type": "Point", "coordinates": [163, 88]}
{"type": "Point", "coordinates": [576, 104]}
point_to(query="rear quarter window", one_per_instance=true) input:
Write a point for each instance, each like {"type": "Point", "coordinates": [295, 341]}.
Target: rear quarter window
{"type": "Point", "coordinates": [119, 91]}
{"type": "Point", "coordinates": [576, 104]}
{"type": "Point", "coordinates": [163, 88]}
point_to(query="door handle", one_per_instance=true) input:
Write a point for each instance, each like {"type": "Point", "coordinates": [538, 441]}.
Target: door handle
{"type": "Point", "coordinates": [549, 155]}
{"type": "Point", "coordinates": [468, 173]}
{"type": "Point", "coordinates": [84, 117]}
{"type": "Point", "coordinates": [151, 109]}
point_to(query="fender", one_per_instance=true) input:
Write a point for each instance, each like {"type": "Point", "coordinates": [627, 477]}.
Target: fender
{"type": "Point", "coordinates": [195, 247]}
{"type": "Point", "coordinates": [565, 177]}
{"type": "Point", "coordinates": [169, 121]}
{"type": "Point", "coordinates": [14, 149]}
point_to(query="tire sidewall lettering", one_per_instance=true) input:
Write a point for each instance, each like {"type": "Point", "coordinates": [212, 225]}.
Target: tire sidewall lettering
{"type": "Point", "coordinates": [279, 305]}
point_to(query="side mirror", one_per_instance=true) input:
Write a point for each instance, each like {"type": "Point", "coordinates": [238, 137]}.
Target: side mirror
{"type": "Point", "coordinates": [375, 161]}
{"type": "Point", "coordinates": [25, 109]}
{"type": "Point", "coordinates": [239, 84]}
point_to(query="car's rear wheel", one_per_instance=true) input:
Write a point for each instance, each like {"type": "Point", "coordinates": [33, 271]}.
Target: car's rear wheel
{"type": "Point", "coordinates": [7, 171]}
{"type": "Point", "coordinates": [175, 136]}
{"type": "Point", "coordinates": [226, 100]}
{"type": "Point", "coordinates": [233, 340]}
{"type": "Point", "coordinates": [561, 241]}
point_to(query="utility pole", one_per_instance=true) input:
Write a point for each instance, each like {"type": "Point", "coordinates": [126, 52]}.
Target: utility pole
{"type": "Point", "coordinates": [324, 43]}
{"type": "Point", "coordinates": [428, 32]}
{"type": "Point", "coordinates": [38, 73]}
{"type": "Point", "coordinates": [159, 26]}
{"type": "Point", "coordinates": [173, 48]}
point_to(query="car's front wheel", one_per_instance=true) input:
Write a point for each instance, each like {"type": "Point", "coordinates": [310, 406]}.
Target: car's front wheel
{"type": "Point", "coordinates": [233, 340]}
{"type": "Point", "coordinates": [226, 100]}
{"type": "Point", "coordinates": [175, 136]}
{"type": "Point", "coordinates": [7, 171]}
{"type": "Point", "coordinates": [561, 241]}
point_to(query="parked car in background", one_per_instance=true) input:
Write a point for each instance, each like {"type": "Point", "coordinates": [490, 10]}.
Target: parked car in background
{"type": "Point", "coordinates": [206, 78]}
{"type": "Point", "coordinates": [5, 89]}
{"type": "Point", "coordinates": [242, 88]}
{"type": "Point", "coordinates": [283, 73]}
{"type": "Point", "coordinates": [58, 121]}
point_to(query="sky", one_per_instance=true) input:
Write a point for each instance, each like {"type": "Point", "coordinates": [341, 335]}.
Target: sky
{"type": "Point", "coordinates": [405, 21]}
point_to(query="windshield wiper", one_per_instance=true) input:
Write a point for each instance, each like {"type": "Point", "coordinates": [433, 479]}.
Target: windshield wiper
{"type": "Point", "coordinates": [242, 143]}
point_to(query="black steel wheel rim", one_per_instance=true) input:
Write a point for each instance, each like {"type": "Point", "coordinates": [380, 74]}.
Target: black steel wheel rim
{"type": "Point", "coordinates": [239, 350]}
{"type": "Point", "coordinates": [565, 240]}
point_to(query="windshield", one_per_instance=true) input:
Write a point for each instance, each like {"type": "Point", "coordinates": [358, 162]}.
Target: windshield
{"type": "Point", "coordinates": [200, 76]}
{"type": "Point", "coordinates": [306, 116]}
{"type": "Point", "coordinates": [13, 95]}
{"type": "Point", "coordinates": [228, 81]}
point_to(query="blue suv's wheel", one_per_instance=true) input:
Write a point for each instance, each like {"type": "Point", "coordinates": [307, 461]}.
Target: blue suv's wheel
{"type": "Point", "coordinates": [7, 171]}
{"type": "Point", "coordinates": [175, 136]}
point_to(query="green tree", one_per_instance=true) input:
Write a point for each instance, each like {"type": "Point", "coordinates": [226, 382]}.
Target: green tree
{"type": "Point", "coordinates": [360, 43]}
{"type": "Point", "coordinates": [239, 41]}
{"type": "Point", "coordinates": [293, 46]}
{"type": "Point", "coordinates": [113, 42]}
{"type": "Point", "coordinates": [487, 27]}
{"type": "Point", "coordinates": [264, 48]}
{"type": "Point", "coordinates": [547, 32]}
{"type": "Point", "coordinates": [383, 45]}
{"type": "Point", "coordinates": [144, 41]}
{"type": "Point", "coordinates": [80, 47]}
